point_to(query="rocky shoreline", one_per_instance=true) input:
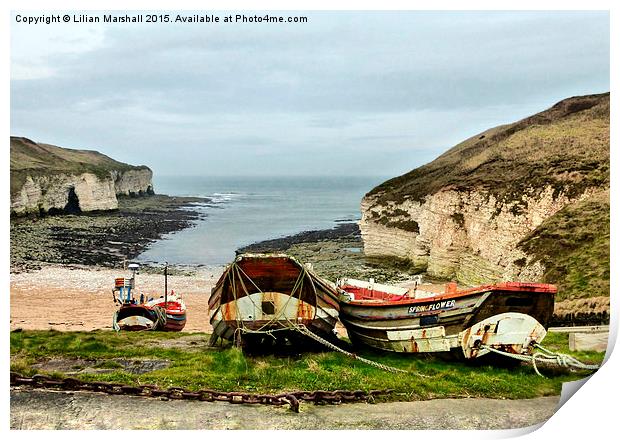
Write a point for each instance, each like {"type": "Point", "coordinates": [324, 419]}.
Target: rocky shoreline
{"type": "Point", "coordinates": [336, 253]}
{"type": "Point", "coordinates": [342, 232]}
{"type": "Point", "coordinates": [103, 239]}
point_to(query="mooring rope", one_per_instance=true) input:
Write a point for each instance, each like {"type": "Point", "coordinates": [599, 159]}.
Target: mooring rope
{"type": "Point", "coordinates": [546, 356]}
{"type": "Point", "coordinates": [160, 322]}
{"type": "Point", "coordinates": [297, 287]}
{"type": "Point", "coordinates": [241, 327]}
{"type": "Point", "coordinates": [115, 325]}
{"type": "Point", "coordinates": [304, 330]}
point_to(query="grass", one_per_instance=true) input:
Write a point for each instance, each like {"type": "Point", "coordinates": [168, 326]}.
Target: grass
{"type": "Point", "coordinates": [566, 146]}
{"type": "Point", "coordinates": [228, 368]}
{"type": "Point", "coordinates": [573, 245]}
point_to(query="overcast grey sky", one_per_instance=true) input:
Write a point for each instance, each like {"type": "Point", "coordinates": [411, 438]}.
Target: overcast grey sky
{"type": "Point", "coordinates": [346, 93]}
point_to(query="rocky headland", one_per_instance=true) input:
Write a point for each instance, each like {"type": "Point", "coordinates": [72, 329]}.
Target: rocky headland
{"type": "Point", "coordinates": [46, 179]}
{"type": "Point", "coordinates": [524, 201]}
{"type": "Point", "coordinates": [104, 238]}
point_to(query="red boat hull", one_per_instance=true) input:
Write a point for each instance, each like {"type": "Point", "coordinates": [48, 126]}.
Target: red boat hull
{"type": "Point", "coordinates": [175, 320]}
{"type": "Point", "coordinates": [176, 313]}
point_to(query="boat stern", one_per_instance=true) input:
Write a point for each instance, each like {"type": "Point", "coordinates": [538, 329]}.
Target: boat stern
{"type": "Point", "coordinates": [135, 323]}
{"type": "Point", "coordinates": [512, 333]}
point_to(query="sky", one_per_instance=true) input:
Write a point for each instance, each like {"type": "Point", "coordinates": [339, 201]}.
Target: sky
{"type": "Point", "coordinates": [347, 93]}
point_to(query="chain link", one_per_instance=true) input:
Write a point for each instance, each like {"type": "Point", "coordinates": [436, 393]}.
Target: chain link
{"type": "Point", "coordinates": [178, 393]}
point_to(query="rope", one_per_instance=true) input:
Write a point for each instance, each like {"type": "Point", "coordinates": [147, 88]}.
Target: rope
{"type": "Point", "coordinates": [297, 287]}
{"type": "Point", "coordinates": [304, 330]}
{"type": "Point", "coordinates": [161, 318]}
{"type": "Point", "coordinates": [115, 325]}
{"type": "Point", "coordinates": [546, 356]}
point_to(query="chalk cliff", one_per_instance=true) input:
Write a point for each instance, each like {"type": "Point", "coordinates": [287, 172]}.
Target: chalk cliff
{"type": "Point", "coordinates": [50, 179]}
{"type": "Point", "coordinates": [506, 204]}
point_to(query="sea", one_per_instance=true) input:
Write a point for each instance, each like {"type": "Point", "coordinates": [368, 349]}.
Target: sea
{"type": "Point", "coordinates": [246, 210]}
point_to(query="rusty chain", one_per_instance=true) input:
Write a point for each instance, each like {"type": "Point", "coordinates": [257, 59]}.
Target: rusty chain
{"type": "Point", "coordinates": [178, 393]}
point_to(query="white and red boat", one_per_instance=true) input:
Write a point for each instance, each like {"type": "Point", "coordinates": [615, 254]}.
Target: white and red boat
{"type": "Point", "coordinates": [139, 312]}
{"type": "Point", "coordinates": [176, 311]}
{"type": "Point", "coordinates": [510, 317]}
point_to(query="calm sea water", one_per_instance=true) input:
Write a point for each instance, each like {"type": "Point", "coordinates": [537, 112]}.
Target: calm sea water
{"type": "Point", "coordinates": [250, 209]}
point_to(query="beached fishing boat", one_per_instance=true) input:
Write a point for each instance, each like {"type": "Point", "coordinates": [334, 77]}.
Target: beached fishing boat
{"type": "Point", "coordinates": [139, 312]}
{"type": "Point", "coordinates": [509, 317]}
{"type": "Point", "coordinates": [268, 298]}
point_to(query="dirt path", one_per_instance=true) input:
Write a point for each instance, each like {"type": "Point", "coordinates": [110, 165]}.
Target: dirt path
{"type": "Point", "coordinates": [40, 409]}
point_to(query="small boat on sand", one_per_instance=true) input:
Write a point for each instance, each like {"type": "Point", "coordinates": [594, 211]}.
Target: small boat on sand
{"type": "Point", "coordinates": [509, 317]}
{"type": "Point", "coordinates": [167, 312]}
{"type": "Point", "coordinates": [266, 298]}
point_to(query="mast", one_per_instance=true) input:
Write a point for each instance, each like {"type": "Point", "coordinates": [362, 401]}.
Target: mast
{"type": "Point", "coordinates": [166, 285]}
{"type": "Point", "coordinates": [133, 267]}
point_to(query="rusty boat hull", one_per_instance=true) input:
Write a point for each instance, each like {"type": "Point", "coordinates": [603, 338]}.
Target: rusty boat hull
{"type": "Point", "coordinates": [266, 297]}
{"type": "Point", "coordinates": [507, 316]}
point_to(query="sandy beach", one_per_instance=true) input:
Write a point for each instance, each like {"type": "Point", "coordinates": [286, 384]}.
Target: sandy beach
{"type": "Point", "coordinates": [62, 298]}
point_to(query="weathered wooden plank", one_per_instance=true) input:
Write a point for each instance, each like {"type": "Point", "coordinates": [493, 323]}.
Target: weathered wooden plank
{"type": "Point", "coordinates": [588, 341]}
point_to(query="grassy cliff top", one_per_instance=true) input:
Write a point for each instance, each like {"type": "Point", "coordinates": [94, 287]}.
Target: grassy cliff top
{"type": "Point", "coordinates": [32, 158]}
{"type": "Point", "coordinates": [565, 146]}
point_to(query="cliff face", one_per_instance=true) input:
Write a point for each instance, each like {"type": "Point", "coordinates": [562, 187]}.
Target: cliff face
{"type": "Point", "coordinates": [133, 182]}
{"type": "Point", "coordinates": [50, 179]}
{"type": "Point", "coordinates": [475, 213]}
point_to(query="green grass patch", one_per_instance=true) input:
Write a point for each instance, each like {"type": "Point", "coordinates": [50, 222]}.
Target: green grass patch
{"type": "Point", "coordinates": [573, 245]}
{"type": "Point", "coordinates": [229, 369]}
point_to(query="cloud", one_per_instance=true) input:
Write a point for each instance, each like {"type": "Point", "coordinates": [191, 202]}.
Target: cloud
{"type": "Point", "coordinates": [349, 85]}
